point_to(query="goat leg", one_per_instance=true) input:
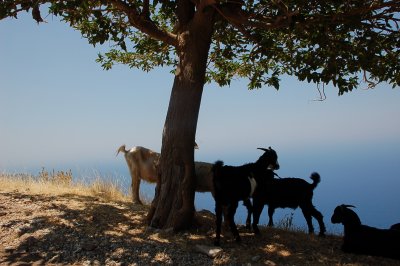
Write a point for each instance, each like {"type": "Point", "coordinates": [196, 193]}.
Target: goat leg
{"type": "Point", "coordinates": [249, 207]}
{"type": "Point", "coordinates": [218, 221]}
{"type": "Point", "coordinates": [320, 218]}
{"type": "Point", "coordinates": [231, 215]}
{"type": "Point", "coordinates": [257, 209]}
{"type": "Point", "coordinates": [271, 211]}
{"type": "Point", "coordinates": [135, 189]}
{"type": "Point", "coordinates": [307, 216]}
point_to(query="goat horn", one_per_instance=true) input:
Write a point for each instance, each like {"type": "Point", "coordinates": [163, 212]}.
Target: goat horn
{"type": "Point", "coordinates": [121, 149]}
{"type": "Point", "coordinates": [348, 206]}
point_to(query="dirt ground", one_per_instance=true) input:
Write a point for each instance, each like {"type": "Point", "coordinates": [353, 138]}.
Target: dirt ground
{"type": "Point", "coordinates": [85, 230]}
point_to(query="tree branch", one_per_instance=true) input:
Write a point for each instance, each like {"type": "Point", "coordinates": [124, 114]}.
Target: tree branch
{"type": "Point", "coordinates": [234, 21]}
{"type": "Point", "coordinates": [185, 12]}
{"type": "Point", "coordinates": [143, 24]}
{"type": "Point", "coordinates": [146, 10]}
{"type": "Point", "coordinates": [202, 4]}
{"type": "Point", "coordinates": [287, 18]}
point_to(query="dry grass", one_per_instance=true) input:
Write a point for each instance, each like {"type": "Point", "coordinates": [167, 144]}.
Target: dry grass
{"type": "Point", "coordinates": [59, 183]}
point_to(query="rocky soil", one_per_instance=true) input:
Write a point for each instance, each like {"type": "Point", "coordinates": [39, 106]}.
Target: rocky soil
{"type": "Point", "coordinates": [85, 230]}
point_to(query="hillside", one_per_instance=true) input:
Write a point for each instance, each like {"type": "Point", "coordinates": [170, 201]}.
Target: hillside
{"type": "Point", "coordinates": [74, 228]}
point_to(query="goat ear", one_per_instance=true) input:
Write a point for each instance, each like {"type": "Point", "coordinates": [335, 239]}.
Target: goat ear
{"type": "Point", "coordinates": [263, 149]}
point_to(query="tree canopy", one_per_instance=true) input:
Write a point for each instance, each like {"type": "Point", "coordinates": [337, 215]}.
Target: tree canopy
{"type": "Point", "coordinates": [342, 42]}
{"type": "Point", "coordinates": [337, 41]}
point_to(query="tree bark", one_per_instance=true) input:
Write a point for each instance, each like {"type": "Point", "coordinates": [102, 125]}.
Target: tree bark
{"type": "Point", "coordinates": [173, 204]}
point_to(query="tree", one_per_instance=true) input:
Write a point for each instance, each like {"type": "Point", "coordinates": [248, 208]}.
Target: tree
{"type": "Point", "coordinates": [335, 41]}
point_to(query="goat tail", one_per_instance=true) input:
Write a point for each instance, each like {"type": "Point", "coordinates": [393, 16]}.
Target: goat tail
{"type": "Point", "coordinates": [316, 178]}
{"type": "Point", "coordinates": [121, 149]}
{"type": "Point", "coordinates": [216, 170]}
{"type": "Point", "coordinates": [217, 167]}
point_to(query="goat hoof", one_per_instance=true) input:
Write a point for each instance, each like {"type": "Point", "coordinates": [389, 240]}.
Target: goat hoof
{"type": "Point", "coordinates": [256, 230]}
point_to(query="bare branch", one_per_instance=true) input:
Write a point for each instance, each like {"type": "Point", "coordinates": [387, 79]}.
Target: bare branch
{"type": "Point", "coordinates": [322, 95]}
{"type": "Point", "coordinates": [370, 84]}
{"type": "Point", "coordinates": [36, 14]}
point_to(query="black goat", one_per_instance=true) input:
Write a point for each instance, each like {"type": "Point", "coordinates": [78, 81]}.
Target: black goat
{"type": "Point", "coordinates": [395, 227]}
{"type": "Point", "coordinates": [237, 183]}
{"type": "Point", "coordinates": [287, 193]}
{"type": "Point", "coordinates": [363, 239]}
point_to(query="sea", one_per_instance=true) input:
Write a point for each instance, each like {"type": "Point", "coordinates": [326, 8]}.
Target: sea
{"type": "Point", "coordinates": [369, 181]}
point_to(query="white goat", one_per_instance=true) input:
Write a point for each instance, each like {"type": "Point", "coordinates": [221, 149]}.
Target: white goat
{"type": "Point", "coordinates": [143, 164]}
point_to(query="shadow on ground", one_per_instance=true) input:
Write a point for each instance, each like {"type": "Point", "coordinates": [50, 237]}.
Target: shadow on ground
{"type": "Point", "coordinates": [84, 230]}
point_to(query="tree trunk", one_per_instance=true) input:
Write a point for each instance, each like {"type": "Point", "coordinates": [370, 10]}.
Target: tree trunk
{"type": "Point", "coordinates": [173, 204]}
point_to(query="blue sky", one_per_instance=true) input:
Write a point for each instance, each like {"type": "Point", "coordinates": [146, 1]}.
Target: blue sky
{"type": "Point", "coordinates": [58, 104]}
{"type": "Point", "coordinates": [58, 107]}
